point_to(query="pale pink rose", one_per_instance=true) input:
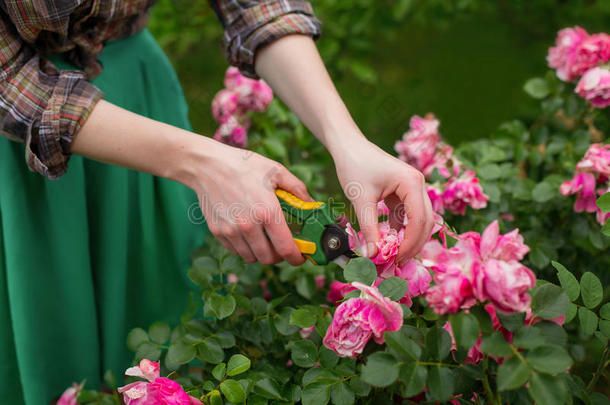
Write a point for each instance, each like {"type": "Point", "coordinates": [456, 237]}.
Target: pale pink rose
{"type": "Point", "coordinates": [435, 193]}
{"type": "Point", "coordinates": [232, 278]}
{"type": "Point", "coordinates": [233, 131]}
{"type": "Point", "coordinates": [444, 161]}
{"type": "Point", "coordinates": [224, 105]}
{"type": "Point", "coordinates": [451, 293]}
{"type": "Point", "coordinates": [338, 291]}
{"type": "Point", "coordinates": [583, 185]}
{"type": "Point", "coordinates": [135, 393]}
{"type": "Point", "coordinates": [254, 95]}
{"type": "Point", "coordinates": [505, 284]}
{"type": "Point", "coordinates": [592, 51]}
{"type": "Point", "coordinates": [505, 247]}
{"type": "Point", "coordinates": [474, 355]}
{"type": "Point", "coordinates": [417, 275]}
{"type": "Point", "coordinates": [464, 191]}
{"type": "Point", "coordinates": [70, 396]}
{"type": "Point", "coordinates": [382, 209]}
{"type": "Point", "coordinates": [306, 332]}
{"type": "Point", "coordinates": [594, 86]}
{"type": "Point", "coordinates": [418, 145]}
{"type": "Point", "coordinates": [563, 54]}
{"type": "Point", "coordinates": [356, 241]}
{"type": "Point", "coordinates": [233, 78]}
{"type": "Point", "coordinates": [358, 319]}
{"type": "Point", "coordinates": [147, 369]}
{"type": "Point", "coordinates": [596, 160]}
{"type": "Point", "coordinates": [389, 242]}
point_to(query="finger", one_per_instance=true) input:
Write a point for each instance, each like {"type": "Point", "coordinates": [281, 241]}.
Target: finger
{"type": "Point", "coordinates": [291, 183]}
{"type": "Point", "coordinates": [243, 249]}
{"type": "Point", "coordinates": [429, 216]}
{"type": "Point", "coordinates": [281, 238]}
{"type": "Point", "coordinates": [366, 211]}
{"type": "Point", "coordinates": [260, 244]}
{"type": "Point", "coordinates": [412, 198]}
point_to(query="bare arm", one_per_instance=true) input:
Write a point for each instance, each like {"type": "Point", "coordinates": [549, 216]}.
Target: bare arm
{"type": "Point", "coordinates": [294, 69]}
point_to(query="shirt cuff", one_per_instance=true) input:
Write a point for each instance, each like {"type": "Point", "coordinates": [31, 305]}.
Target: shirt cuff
{"type": "Point", "coordinates": [48, 143]}
{"type": "Point", "coordinates": [262, 24]}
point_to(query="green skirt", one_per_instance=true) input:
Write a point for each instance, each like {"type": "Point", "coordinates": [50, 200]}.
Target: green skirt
{"type": "Point", "coordinates": [101, 250]}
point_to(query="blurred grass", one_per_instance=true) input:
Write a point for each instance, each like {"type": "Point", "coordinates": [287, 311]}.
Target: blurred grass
{"type": "Point", "coordinates": [468, 70]}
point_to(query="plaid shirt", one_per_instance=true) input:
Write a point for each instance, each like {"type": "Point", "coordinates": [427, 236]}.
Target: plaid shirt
{"type": "Point", "coordinates": [45, 107]}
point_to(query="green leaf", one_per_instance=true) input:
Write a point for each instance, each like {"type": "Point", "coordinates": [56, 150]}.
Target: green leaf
{"type": "Point", "coordinates": [550, 359]}
{"type": "Point", "coordinates": [219, 371]}
{"type": "Point", "coordinates": [568, 282]}
{"type": "Point", "coordinates": [135, 338]}
{"type": "Point", "coordinates": [537, 88]}
{"type": "Point", "coordinates": [210, 352]}
{"type": "Point", "coordinates": [440, 383]}
{"type": "Point", "coordinates": [237, 364]}
{"type": "Point", "coordinates": [342, 394]}
{"type": "Point", "coordinates": [222, 305]}
{"type": "Point", "coordinates": [380, 370]}
{"type": "Point", "coordinates": [511, 322]}
{"type": "Point", "coordinates": [512, 374]}
{"type": "Point", "coordinates": [275, 147]}
{"type": "Point", "coordinates": [414, 376]}
{"type": "Point", "coordinates": [465, 328]}
{"type": "Point", "coordinates": [544, 192]}
{"type": "Point", "coordinates": [496, 345]}
{"type": "Point", "coordinates": [110, 379]}
{"type": "Point", "coordinates": [181, 353]}
{"type": "Point", "coordinates": [588, 320]}
{"type": "Point", "coordinates": [400, 342]}
{"type": "Point", "coordinates": [591, 290]}
{"type": "Point", "coordinates": [394, 288]}
{"type": "Point", "coordinates": [282, 322]}
{"type": "Point", "coordinates": [204, 268]}
{"type": "Point", "coordinates": [317, 393]}
{"type": "Point", "coordinates": [360, 269]}
{"type": "Point", "coordinates": [571, 312]}
{"type": "Point", "coordinates": [606, 228]}
{"type": "Point", "coordinates": [546, 389]}
{"type": "Point", "coordinates": [603, 203]}
{"type": "Point", "coordinates": [328, 358]}
{"type": "Point", "coordinates": [148, 351]}
{"type": "Point", "coordinates": [549, 302]}
{"type": "Point", "coordinates": [159, 332]}
{"type": "Point", "coordinates": [302, 318]}
{"type": "Point", "coordinates": [604, 327]}
{"type": "Point", "coordinates": [361, 388]}
{"type": "Point", "coordinates": [528, 338]}
{"type": "Point", "coordinates": [233, 391]}
{"type": "Point", "coordinates": [215, 398]}
{"type": "Point", "coordinates": [224, 338]}
{"type": "Point", "coordinates": [604, 311]}
{"type": "Point", "coordinates": [304, 353]}
{"type": "Point", "coordinates": [268, 388]}
{"type": "Point", "coordinates": [438, 343]}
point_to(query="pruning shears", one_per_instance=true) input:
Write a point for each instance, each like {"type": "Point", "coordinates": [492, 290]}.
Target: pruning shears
{"type": "Point", "coordinates": [320, 239]}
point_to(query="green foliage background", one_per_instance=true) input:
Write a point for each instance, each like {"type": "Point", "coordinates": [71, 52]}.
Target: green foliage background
{"type": "Point", "coordinates": [464, 60]}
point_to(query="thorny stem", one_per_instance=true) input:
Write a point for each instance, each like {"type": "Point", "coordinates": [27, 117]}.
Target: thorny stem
{"type": "Point", "coordinates": [485, 380]}
{"type": "Point", "coordinates": [600, 368]}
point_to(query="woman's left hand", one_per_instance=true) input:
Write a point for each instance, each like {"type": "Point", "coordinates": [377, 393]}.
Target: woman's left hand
{"type": "Point", "coordinates": [368, 175]}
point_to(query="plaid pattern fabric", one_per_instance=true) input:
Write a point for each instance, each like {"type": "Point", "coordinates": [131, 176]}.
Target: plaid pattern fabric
{"type": "Point", "coordinates": [252, 24]}
{"type": "Point", "coordinates": [40, 105]}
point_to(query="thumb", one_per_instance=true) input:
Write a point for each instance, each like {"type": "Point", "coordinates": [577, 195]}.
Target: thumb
{"type": "Point", "coordinates": [292, 184]}
{"type": "Point", "coordinates": [366, 210]}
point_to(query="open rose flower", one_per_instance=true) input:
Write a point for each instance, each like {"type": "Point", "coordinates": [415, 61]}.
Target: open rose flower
{"type": "Point", "coordinates": [492, 245]}
{"type": "Point", "coordinates": [562, 56]}
{"type": "Point", "coordinates": [418, 145]}
{"type": "Point", "coordinates": [358, 319]}
{"type": "Point", "coordinates": [234, 131]}
{"type": "Point", "coordinates": [593, 51]}
{"type": "Point", "coordinates": [417, 275]}
{"type": "Point", "coordinates": [338, 291]}
{"type": "Point", "coordinates": [594, 86]}
{"type": "Point", "coordinates": [464, 191]}
{"type": "Point", "coordinates": [505, 284]}
{"type": "Point", "coordinates": [70, 396]}
{"type": "Point", "coordinates": [224, 105]}
{"type": "Point", "coordinates": [583, 185]}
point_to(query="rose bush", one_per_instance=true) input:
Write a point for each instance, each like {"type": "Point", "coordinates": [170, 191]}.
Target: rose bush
{"type": "Point", "coordinates": [505, 304]}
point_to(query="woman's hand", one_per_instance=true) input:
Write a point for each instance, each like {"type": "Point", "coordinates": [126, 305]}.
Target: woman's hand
{"type": "Point", "coordinates": [236, 190]}
{"type": "Point", "coordinates": [368, 175]}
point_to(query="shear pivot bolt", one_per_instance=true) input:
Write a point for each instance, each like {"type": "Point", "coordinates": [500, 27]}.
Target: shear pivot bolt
{"type": "Point", "coordinates": [334, 243]}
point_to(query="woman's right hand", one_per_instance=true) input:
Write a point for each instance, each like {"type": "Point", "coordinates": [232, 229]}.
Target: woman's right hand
{"type": "Point", "coordinates": [236, 187]}
{"type": "Point", "coordinates": [236, 190]}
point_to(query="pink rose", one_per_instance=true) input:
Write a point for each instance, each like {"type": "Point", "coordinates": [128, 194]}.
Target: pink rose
{"type": "Point", "coordinates": [233, 78]}
{"type": "Point", "coordinates": [418, 145]}
{"type": "Point", "coordinates": [389, 242]}
{"type": "Point", "coordinates": [167, 392]}
{"type": "Point", "coordinates": [224, 105]}
{"type": "Point", "coordinates": [594, 86]}
{"type": "Point", "coordinates": [320, 281]}
{"type": "Point", "coordinates": [583, 185]}
{"type": "Point", "coordinates": [464, 191]}
{"type": "Point", "coordinates": [69, 397]}
{"type": "Point", "coordinates": [435, 193]}
{"type": "Point", "coordinates": [135, 393]}
{"type": "Point", "coordinates": [147, 369]}
{"type": "Point", "coordinates": [233, 131]}
{"type": "Point", "coordinates": [505, 284]}
{"type": "Point", "coordinates": [452, 292]}
{"type": "Point", "coordinates": [306, 332]}
{"type": "Point", "coordinates": [417, 276]}
{"type": "Point", "coordinates": [474, 355]}
{"type": "Point", "coordinates": [562, 55]}
{"type": "Point", "coordinates": [592, 51]}
{"type": "Point", "coordinates": [256, 96]}
{"type": "Point", "coordinates": [597, 161]}
{"type": "Point", "coordinates": [338, 291]}
{"type": "Point", "coordinates": [505, 247]}
{"type": "Point", "coordinates": [358, 319]}
{"type": "Point", "coordinates": [382, 209]}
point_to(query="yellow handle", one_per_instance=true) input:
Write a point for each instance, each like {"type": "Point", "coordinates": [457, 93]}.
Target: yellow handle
{"type": "Point", "coordinates": [296, 202]}
{"type": "Point", "coordinates": [306, 247]}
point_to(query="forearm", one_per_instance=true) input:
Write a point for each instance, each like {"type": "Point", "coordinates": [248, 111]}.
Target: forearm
{"type": "Point", "coordinates": [116, 136]}
{"type": "Point", "coordinates": [293, 68]}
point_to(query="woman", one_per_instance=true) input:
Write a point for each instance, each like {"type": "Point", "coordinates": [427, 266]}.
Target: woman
{"type": "Point", "coordinates": [104, 247]}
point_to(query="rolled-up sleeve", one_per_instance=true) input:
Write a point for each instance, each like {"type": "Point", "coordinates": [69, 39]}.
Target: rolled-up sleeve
{"type": "Point", "coordinates": [250, 25]}
{"type": "Point", "coordinates": [40, 105]}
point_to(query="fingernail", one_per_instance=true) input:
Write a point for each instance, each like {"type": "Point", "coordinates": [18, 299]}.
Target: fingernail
{"type": "Point", "coordinates": [371, 249]}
